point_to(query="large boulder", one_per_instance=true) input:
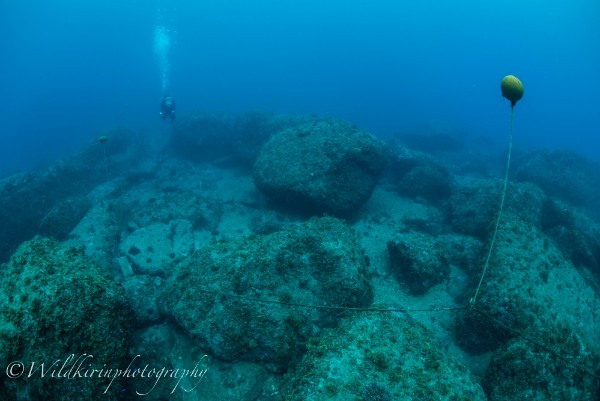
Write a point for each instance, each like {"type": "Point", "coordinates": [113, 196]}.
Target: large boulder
{"type": "Point", "coordinates": [528, 286]}
{"type": "Point", "coordinates": [252, 130]}
{"type": "Point", "coordinates": [519, 371]}
{"type": "Point", "coordinates": [574, 232]}
{"type": "Point", "coordinates": [53, 201]}
{"type": "Point", "coordinates": [474, 205]}
{"type": "Point", "coordinates": [565, 175]}
{"type": "Point", "coordinates": [419, 175]}
{"type": "Point", "coordinates": [418, 262]}
{"type": "Point", "coordinates": [322, 167]}
{"type": "Point", "coordinates": [64, 217]}
{"type": "Point", "coordinates": [211, 295]}
{"type": "Point", "coordinates": [380, 357]}
{"type": "Point", "coordinates": [55, 302]}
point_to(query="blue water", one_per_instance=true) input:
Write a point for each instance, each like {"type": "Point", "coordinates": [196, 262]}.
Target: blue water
{"type": "Point", "coordinates": [70, 69]}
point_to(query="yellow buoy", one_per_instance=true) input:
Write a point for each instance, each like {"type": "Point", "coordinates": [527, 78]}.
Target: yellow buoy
{"type": "Point", "coordinates": [512, 89]}
{"type": "Point", "coordinates": [103, 139]}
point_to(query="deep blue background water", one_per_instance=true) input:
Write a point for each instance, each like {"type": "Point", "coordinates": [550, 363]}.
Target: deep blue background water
{"type": "Point", "coordinates": [70, 70]}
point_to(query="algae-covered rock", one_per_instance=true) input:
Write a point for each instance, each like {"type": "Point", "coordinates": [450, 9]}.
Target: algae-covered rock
{"type": "Point", "coordinates": [142, 292]}
{"type": "Point", "coordinates": [574, 233]}
{"type": "Point", "coordinates": [566, 175]}
{"type": "Point", "coordinates": [39, 200]}
{"type": "Point", "coordinates": [9, 333]}
{"type": "Point", "coordinates": [418, 262]}
{"type": "Point", "coordinates": [520, 371]}
{"type": "Point", "coordinates": [317, 263]}
{"type": "Point", "coordinates": [475, 204]}
{"type": "Point", "coordinates": [252, 130]}
{"type": "Point", "coordinates": [164, 207]}
{"type": "Point", "coordinates": [419, 175]}
{"type": "Point", "coordinates": [321, 167]}
{"type": "Point", "coordinates": [154, 248]}
{"type": "Point", "coordinates": [63, 217]}
{"type": "Point", "coordinates": [380, 357]}
{"type": "Point", "coordinates": [528, 286]}
{"type": "Point", "coordinates": [60, 306]}
{"type": "Point", "coordinates": [430, 182]}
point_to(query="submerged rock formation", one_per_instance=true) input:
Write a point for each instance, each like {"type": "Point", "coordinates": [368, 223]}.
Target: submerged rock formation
{"type": "Point", "coordinates": [323, 167]}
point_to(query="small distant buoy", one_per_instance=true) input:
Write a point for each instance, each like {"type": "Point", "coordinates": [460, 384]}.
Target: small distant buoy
{"type": "Point", "coordinates": [103, 138]}
{"type": "Point", "coordinates": [512, 89]}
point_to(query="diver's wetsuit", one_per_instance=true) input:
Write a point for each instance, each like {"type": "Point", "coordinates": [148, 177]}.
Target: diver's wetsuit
{"type": "Point", "coordinates": [167, 108]}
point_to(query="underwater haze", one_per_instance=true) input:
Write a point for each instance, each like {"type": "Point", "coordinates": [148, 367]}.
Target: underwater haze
{"type": "Point", "coordinates": [342, 205]}
{"type": "Point", "coordinates": [71, 69]}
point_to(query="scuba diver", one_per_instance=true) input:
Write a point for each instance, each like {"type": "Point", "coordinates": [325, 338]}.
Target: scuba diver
{"type": "Point", "coordinates": [167, 108]}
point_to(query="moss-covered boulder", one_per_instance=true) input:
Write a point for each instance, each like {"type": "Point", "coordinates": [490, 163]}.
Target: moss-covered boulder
{"type": "Point", "coordinates": [418, 262]}
{"type": "Point", "coordinates": [316, 263]}
{"type": "Point", "coordinates": [380, 357]}
{"type": "Point", "coordinates": [252, 130]}
{"type": "Point", "coordinates": [58, 305]}
{"type": "Point", "coordinates": [321, 167]}
{"type": "Point", "coordinates": [574, 232]}
{"type": "Point", "coordinates": [63, 217]}
{"type": "Point", "coordinates": [52, 200]}
{"type": "Point", "coordinates": [474, 205]}
{"type": "Point", "coordinates": [565, 175]}
{"type": "Point", "coordinates": [529, 285]}
{"type": "Point", "coordinates": [419, 175]}
{"type": "Point", "coordinates": [520, 371]}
